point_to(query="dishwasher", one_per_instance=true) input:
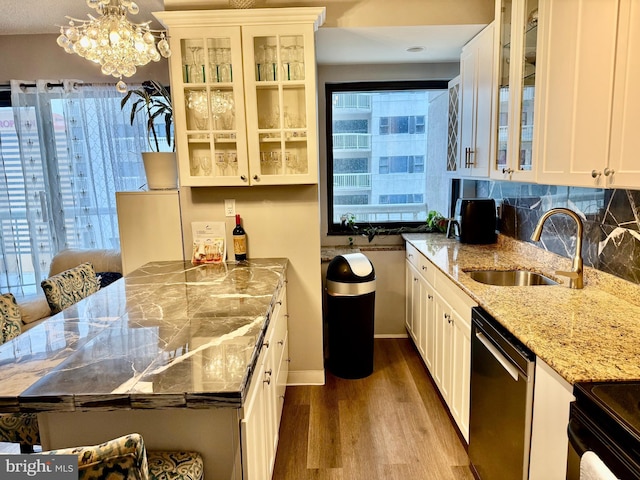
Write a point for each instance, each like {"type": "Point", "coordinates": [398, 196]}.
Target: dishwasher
{"type": "Point", "coordinates": [502, 377]}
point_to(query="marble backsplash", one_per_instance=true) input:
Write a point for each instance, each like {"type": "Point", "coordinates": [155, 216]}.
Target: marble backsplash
{"type": "Point", "coordinates": [611, 220]}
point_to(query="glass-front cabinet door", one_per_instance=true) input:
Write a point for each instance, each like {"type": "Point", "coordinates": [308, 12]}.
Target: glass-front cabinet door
{"type": "Point", "coordinates": [243, 86]}
{"type": "Point", "coordinates": [208, 97]}
{"type": "Point", "coordinates": [280, 90]}
{"type": "Point", "coordinates": [518, 44]}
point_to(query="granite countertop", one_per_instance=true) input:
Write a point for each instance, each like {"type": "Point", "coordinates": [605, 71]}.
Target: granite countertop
{"type": "Point", "coordinates": [168, 335]}
{"type": "Point", "coordinates": [592, 334]}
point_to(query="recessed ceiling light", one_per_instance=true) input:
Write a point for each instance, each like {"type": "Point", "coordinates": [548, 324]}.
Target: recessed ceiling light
{"type": "Point", "coordinates": [415, 49]}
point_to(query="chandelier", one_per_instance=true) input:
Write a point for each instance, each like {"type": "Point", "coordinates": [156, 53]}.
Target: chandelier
{"type": "Point", "coordinates": [112, 41]}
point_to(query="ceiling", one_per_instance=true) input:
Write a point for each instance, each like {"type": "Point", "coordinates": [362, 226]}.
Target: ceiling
{"type": "Point", "coordinates": [361, 45]}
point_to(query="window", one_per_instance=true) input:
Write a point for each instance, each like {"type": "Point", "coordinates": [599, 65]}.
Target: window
{"type": "Point", "coordinates": [401, 198]}
{"type": "Point", "coordinates": [395, 125]}
{"type": "Point", "coordinates": [402, 164]}
{"type": "Point", "coordinates": [62, 196]}
{"type": "Point", "coordinates": [392, 141]}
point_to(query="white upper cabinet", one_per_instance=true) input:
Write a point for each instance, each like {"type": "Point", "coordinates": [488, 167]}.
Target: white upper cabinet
{"type": "Point", "coordinates": [516, 32]}
{"type": "Point", "coordinates": [476, 104]}
{"type": "Point", "coordinates": [590, 55]}
{"type": "Point", "coordinates": [243, 86]}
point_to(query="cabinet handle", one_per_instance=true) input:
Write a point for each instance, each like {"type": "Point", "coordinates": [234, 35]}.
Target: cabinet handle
{"type": "Point", "coordinates": [288, 360]}
{"type": "Point", "coordinates": [595, 174]}
{"type": "Point", "coordinates": [266, 343]}
{"type": "Point", "coordinates": [424, 267]}
{"type": "Point", "coordinates": [430, 297]}
{"type": "Point", "coordinates": [279, 302]}
{"type": "Point", "coordinates": [609, 171]}
{"type": "Point", "coordinates": [467, 158]}
{"type": "Point", "coordinates": [243, 178]}
{"type": "Point", "coordinates": [255, 177]}
{"type": "Point", "coordinates": [280, 342]}
{"type": "Point", "coordinates": [508, 171]}
{"type": "Point", "coordinates": [268, 372]}
{"type": "Point", "coordinates": [447, 317]}
{"type": "Point", "coordinates": [267, 381]}
{"type": "Point", "coordinates": [410, 255]}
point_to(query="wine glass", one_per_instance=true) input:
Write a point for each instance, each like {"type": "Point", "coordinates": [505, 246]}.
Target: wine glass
{"type": "Point", "coordinates": [271, 59]}
{"type": "Point", "coordinates": [286, 57]}
{"type": "Point", "coordinates": [205, 163]}
{"type": "Point", "coordinates": [224, 64]}
{"type": "Point", "coordinates": [221, 162]}
{"type": "Point", "coordinates": [196, 73]}
{"type": "Point", "coordinates": [232, 161]}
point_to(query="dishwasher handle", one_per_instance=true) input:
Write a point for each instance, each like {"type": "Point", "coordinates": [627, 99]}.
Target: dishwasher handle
{"type": "Point", "coordinates": [502, 360]}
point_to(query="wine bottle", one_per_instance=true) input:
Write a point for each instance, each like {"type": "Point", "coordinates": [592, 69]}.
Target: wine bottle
{"type": "Point", "coordinates": [239, 241]}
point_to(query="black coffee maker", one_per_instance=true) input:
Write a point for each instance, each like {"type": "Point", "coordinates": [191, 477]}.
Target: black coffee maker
{"type": "Point", "coordinates": [474, 221]}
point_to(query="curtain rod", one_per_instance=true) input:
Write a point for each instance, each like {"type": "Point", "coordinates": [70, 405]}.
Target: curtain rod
{"type": "Point", "coordinates": [7, 86]}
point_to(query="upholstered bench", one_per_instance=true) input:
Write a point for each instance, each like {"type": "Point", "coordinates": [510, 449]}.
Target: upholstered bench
{"type": "Point", "coordinates": [127, 458]}
{"type": "Point", "coordinates": [106, 263]}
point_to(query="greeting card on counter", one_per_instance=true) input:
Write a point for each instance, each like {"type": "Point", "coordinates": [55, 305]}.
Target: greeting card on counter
{"type": "Point", "coordinates": [209, 244]}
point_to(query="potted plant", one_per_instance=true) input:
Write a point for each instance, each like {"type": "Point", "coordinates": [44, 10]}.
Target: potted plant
{"type": "Point", "coordinates": [153, 101]}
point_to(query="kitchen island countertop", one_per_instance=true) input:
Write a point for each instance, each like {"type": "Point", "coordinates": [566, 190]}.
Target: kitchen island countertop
{"type": "Point", "coordinates": [168, 335]}
{"type": "Point", "coordinates": [591, 334]}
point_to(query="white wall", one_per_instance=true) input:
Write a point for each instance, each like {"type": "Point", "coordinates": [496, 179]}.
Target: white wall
{"type": "Point", "coordinates": [280, 222]}
{"type": "Point", "coordinates": [32, 57]}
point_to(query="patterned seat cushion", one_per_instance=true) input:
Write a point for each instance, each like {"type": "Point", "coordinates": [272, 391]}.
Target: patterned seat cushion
{"type": "Point", "coordinates": [68, 287]}
{"type": "Point", "coordinates": [175, 466]}
{"type": "Point", "coordinates": [19, 428]}
{"type": "Point", "coordinates": [123, 458]}
{"type": "Point", "coordinates": [10, 318]}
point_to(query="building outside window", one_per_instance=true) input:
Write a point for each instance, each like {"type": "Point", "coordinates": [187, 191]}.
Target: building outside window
{"type": "Point", "coordinates": [387, 145]}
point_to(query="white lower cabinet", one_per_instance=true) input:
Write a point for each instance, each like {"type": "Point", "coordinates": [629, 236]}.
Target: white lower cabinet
{"type": "Point", "coordinates": [261, 413]}
{"type": "Point", "coordinates": [439, 322]}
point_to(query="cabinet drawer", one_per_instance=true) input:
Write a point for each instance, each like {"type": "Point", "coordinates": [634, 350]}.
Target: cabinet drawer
{"type": "Point", "coordinates": [455, 297]}
{"type": "Point", "coordinates": [424, 267]}
{"type": "Point", "coordinates": [412, 255]}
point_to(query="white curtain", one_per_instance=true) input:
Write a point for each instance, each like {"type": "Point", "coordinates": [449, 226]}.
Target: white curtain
{"type": "Point", "coordinates": [72, 149]}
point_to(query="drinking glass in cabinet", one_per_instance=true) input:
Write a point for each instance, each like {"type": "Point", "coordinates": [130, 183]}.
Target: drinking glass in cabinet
{"type": "Point", "coordinates": [198, 107]}
{"type": "Point", "coordinates": [266, 63]}
{"type": "Point", "coordinates": [200, 165]}
{"type": "Point", "coordinates": [292, 58]}
{"type": "Point", "coordinates": [291, 160]}
{"type": "Point", "coordinates": [195, 70]}
{"type": "Point", "coordinates": [221, 162]}
{"type": "Point", "coordinates": [220, 65]}
{"type": "Point", "coordinates": [232, 161]}
{"type": "Point", "coordinates": [222, 107]}
{"type": "Point", "coordinates": [270, 162]}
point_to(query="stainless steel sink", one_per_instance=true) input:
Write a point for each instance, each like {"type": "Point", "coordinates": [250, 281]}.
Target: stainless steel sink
{"type": "Point", "coordinates": [510, 278]}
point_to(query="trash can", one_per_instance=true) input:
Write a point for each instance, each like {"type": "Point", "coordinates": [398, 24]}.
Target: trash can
{"type": "Point", "coordinates": [351, 290]}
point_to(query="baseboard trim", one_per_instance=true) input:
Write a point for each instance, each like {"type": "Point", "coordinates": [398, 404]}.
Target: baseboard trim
{"type": "Point", "coordinates": [391, 335]}
{"type": "Point", "coordinates": [305, 377]}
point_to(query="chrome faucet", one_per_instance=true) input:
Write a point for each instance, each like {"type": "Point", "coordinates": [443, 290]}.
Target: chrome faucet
{"type": "Point", "coordinates": [576, 273]}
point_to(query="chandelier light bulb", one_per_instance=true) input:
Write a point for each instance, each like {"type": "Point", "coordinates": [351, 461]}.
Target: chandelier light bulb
{"type": "Point", "coordinates": [111, 40]}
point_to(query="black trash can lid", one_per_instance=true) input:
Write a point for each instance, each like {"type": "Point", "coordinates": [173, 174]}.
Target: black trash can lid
{"type": "Point", "coordinates": [350, 268]}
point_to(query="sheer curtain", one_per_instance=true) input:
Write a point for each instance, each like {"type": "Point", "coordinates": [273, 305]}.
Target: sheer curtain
{"type": "Point", "coordinates": [72, 149]}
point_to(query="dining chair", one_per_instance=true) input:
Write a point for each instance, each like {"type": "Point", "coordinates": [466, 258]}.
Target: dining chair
{"type": "Point", "coordinates": [126, 458]}
{"type": "Point", "coordinates": [19, 428]}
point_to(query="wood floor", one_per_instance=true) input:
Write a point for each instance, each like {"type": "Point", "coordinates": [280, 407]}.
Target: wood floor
{"type": "Point", "coordinates": [390, 425]}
